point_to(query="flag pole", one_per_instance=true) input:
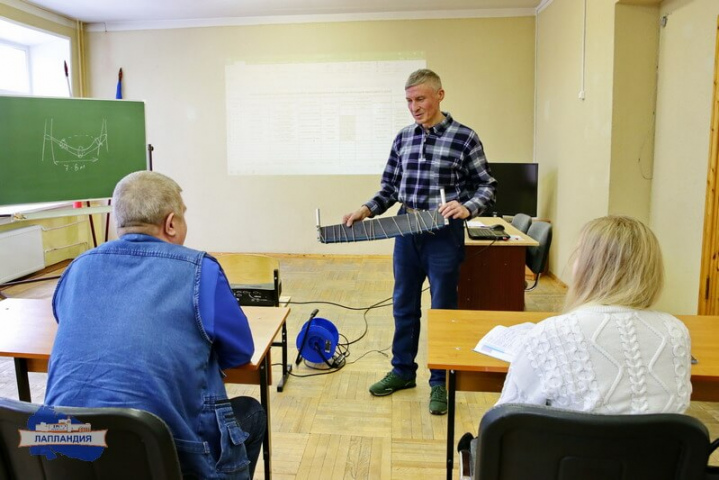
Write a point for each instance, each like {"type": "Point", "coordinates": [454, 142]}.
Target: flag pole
{"type": "Point", "coordinates": [118, 93]}
{"type": "Point", "coordinates": [67, 78]}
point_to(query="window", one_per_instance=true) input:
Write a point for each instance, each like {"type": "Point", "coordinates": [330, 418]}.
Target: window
{"type": "Point", "coordinates": [33, 61]}
{"type": "Point", "coordinates": [14, 76]}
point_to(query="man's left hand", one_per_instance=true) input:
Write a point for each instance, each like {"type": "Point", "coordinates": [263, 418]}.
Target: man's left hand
{"type": "Point", "coordinates": [455, 210]}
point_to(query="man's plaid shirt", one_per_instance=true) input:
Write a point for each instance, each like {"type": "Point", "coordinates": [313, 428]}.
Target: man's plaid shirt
{"type": "Point", "coordinates": [448, 155]}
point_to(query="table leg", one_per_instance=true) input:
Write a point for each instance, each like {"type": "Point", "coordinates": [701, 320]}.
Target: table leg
{"type": "Point", "coordinates": [265, 401]}
{"type": "Point", "coordinates": [286, 369]}
{"type": "Point", "coordinates": [451, 391]}
{"type": "Point", "coordinates": [23, 384]}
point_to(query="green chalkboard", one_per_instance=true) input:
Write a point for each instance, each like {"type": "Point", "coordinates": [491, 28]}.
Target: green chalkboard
{"type": "Point", "coordinates": [56, 149]}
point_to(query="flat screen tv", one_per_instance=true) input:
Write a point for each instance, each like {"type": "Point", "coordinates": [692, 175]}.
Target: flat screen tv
{"type": "Point", "coordinates": [516, 190]}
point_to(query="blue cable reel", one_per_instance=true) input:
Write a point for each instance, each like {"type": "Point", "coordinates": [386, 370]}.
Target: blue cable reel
{"type": "Point", "coordinates": [317, 341]}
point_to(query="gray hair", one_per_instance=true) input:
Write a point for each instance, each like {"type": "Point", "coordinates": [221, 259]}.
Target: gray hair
{"type": "Point", "coordinates": [618, 262]}
{"type": "Point", "coordinates": [424, 75]}
{"type": "Point", "coordinates": [145, 198]}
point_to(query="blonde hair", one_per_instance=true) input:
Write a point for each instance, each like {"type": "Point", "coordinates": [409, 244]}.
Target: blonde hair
{"type": "Point", "coordinates": [145, 198]}
{"type": "Point", "coordinates": [424, 75]}
{"type": "Point", "coordinates": [617, 262]}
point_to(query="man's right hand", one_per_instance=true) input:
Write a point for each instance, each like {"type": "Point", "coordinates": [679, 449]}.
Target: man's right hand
{"type": "Point", "coordinates": [356, 216]}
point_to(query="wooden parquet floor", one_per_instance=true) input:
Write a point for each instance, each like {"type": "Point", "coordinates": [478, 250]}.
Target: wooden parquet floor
{"type": "Point", "coordinates": [328, 426]}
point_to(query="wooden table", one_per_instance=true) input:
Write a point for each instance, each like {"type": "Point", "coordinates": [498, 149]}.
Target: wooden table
{"type": "Point", "coordinates": [28, 328]}
{"type": "Point", "coordinates": [453, 334]}
{"type": "Point", "coordinates": [492, 274]}
{"type": "Point", "coordinates": [258, 276]}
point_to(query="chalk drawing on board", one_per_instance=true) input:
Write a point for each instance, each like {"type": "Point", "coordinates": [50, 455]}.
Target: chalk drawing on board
{"type": "Point", "coordinates": [77, 149]}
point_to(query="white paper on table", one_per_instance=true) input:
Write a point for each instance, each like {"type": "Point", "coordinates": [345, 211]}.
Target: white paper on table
{"type": "Point", "coordinates": [503, 342]}
{"type": "Point", "coordinates": [476, 223]}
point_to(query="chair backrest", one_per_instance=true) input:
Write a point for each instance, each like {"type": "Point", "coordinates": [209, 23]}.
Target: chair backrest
{"type": "Point", "coordinates": [139, 446]}
{"type": "Point", "coordinates": [247, 272]}
{"type": "Point", "coordinates": [248, 268]}
{"type": "Point", "coordinates": [522, 222]}
{"type": "Point", "coordinates": [537, 256]}
{"type": "Point", "coordinates": [518, 442]}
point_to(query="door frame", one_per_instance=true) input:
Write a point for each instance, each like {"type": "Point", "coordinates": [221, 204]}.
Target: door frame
{"type": "Point", "coordinates": [709, 276]}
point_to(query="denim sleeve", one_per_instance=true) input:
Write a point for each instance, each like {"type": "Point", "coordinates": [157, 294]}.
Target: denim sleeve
{"type": "Point", "coordinates": [223, 319]}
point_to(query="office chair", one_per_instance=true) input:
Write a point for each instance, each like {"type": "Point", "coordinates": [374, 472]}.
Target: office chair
{"type": "Point", "coordinates": [255, 281]}
{"type": "Point", "coordinates": [139, 446]}
{"type": "Point", "coordinates": [522, 222]}
{"type": "Point", "coordinates": [537, 256]}
{"type": "Point", "coordinates": [518, 442]}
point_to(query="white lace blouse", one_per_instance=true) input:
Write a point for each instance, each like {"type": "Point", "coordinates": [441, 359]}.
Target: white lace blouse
{"type": "Point", "coordinates": [604, 359]}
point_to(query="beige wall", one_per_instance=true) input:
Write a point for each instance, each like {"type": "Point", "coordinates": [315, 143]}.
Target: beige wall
{"type": "Point", "coordinates": [636, 40]}
{"type": "Point", "coordinates": [573, 137]}
{"type": "Point", "coordinates": [596, 161]}
{"type": "Point", "coordinates": [487, 67]}
{"type": "Point", "coordinates": [684, 96]}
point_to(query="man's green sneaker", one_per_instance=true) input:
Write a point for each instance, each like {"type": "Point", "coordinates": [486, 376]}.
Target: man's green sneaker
{"type": "Point", "coordinates": [390, 384]}
{"type": "Point", "coordinates": [438, 400]}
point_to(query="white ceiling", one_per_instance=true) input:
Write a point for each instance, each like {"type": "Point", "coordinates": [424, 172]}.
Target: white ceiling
{"type": "Point", "coordinates": [119, 11]}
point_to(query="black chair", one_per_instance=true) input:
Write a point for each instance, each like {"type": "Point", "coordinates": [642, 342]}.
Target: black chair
{"type": "Point", "coordinates": [522, 222]}
{"type": "Point", "coordinates": [139, 446]}
{"type": "Point", "coordinates": [537, 256]}
{"type": "Point", "coordinates": [519, 442]}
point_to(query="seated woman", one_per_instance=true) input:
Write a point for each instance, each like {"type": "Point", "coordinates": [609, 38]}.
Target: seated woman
{"type": "Point", "coordinates": [608, 353]}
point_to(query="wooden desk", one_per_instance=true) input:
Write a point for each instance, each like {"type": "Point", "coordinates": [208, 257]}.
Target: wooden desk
{"type": "Point", "coordinates": [453, 334]}
{"type": "Point", "coordinates": [492, 274]}
{"type": "Point", "coordinates": [28, 328]}
{"type": "Point", "coordinates": [262, 271]}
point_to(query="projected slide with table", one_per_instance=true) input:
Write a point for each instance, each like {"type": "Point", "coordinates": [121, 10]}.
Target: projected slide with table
{"type": "Point", "coordinates": [314, 118]}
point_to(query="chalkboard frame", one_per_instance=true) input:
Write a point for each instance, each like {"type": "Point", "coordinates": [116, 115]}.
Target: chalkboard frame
{"type": "Point", "coordinates": [67, 149]}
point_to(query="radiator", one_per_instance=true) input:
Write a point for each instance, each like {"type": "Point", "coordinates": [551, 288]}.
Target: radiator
{"type": "Point", "coordinates": [21, 252]}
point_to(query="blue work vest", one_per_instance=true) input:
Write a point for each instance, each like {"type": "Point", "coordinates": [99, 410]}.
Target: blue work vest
{"type": "Point", "coordinates": [130, 335]}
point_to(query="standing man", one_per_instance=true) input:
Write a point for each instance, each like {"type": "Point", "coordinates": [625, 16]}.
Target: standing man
{"type": "Point", "coordinates": [144, 322]}
{"type": "Point", "coordinates": [435, 153]}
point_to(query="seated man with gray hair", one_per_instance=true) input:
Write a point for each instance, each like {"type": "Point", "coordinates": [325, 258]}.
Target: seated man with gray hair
{"type": "Point", "coordinates": [144, 322]}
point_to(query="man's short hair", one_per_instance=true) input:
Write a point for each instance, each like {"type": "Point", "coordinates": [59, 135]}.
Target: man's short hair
{"type": "Point", "coordinates": [424, 75]}
{"type": "Point", "coordinates": [146, 198]}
